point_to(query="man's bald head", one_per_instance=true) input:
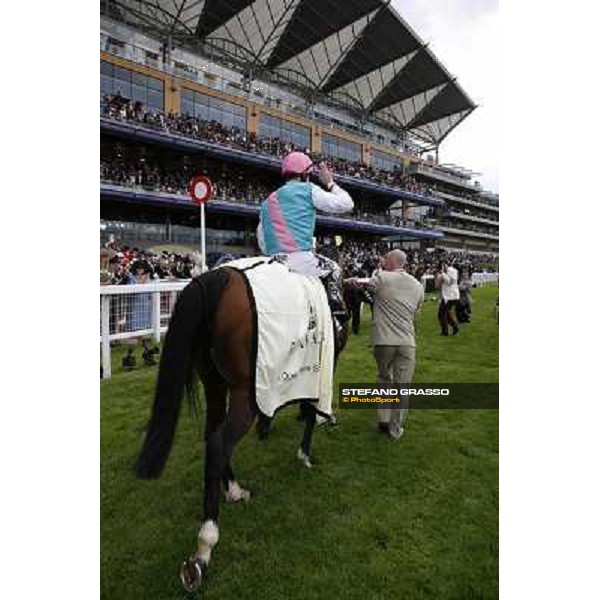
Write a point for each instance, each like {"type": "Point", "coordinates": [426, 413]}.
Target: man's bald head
{"type": "Point", "coordinates": [395, 259]}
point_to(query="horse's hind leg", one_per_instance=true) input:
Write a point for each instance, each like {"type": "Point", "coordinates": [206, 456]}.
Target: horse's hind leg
{"type": "Point", "coordinates": [215, 392]}
{"type": "Point", "coordinates": [239, 421]}
{"type": "Point", "coordinates": [310, 413]}
{"type": "Point", "coordinates": [220, 443]}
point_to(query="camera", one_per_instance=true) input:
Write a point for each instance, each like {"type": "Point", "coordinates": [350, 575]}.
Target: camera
{"type": "Point", "coordinates": [148, 354]}
{"type": "Point", "coordinates": [129, 361]}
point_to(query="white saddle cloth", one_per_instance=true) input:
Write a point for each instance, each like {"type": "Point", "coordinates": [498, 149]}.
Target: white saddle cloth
{"type": "Point", "coordinates": [295, 336]}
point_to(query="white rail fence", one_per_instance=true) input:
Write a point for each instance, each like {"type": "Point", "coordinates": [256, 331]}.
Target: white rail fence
{"type": "Point", "coordinates": [480, 279]}
{"type": "Point", "coordinates": [133, 311]}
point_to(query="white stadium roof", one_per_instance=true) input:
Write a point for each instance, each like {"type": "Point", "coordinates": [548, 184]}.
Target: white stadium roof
{"type": "Point", "coordinates": [359, 54]}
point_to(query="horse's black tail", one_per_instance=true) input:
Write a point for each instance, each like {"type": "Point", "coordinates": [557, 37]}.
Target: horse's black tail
{"type": "Point", "coordinates": [190, 327]}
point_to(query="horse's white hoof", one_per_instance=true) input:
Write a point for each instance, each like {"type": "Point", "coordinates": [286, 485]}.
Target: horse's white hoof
{"type": "Point", "coordinates": [234, 499]}
{"type": "Point", "coordinates": [235, 493]}
{"type": "Point", "coordinates": [304, 459]}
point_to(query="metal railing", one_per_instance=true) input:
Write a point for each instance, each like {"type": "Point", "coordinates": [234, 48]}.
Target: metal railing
{"type": "Point", "coordinates": [134, 311]}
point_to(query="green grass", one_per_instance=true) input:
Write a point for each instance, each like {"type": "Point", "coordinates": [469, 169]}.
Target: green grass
{"type": "Point", "coordinates": [375, 519]}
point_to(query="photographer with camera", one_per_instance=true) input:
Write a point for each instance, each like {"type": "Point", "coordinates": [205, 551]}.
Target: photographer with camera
{"type": "Point", "coordinates": [447, 283]}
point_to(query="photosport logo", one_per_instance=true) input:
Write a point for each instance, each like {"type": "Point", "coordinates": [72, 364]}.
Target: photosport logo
{"type": "Point", "coordinates": [419, 395]}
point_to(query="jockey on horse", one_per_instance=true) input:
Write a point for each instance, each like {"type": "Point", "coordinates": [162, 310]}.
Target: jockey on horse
{"type": "Point", "coordinates": [287, 224]}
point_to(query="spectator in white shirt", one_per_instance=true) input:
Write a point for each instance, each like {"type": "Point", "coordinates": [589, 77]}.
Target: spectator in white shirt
{"type": "Point", "coordinates": [449, 294]}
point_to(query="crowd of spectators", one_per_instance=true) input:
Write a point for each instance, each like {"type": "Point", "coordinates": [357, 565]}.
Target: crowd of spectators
{"type": "Point", "coordinates": [246, 190]}
{"type": "Point", "coordinates": [125, 265]}
{"type": "Point", "coordinates": [154, 177]}
{"type": "Point", "coordinates": [120, 108]}
{"type": "Point", "coordinates": [117, 107]}
{"type": "Point", "coordinates": [362, 258]}
{"type": "Point", "coordinates": [116, 167]}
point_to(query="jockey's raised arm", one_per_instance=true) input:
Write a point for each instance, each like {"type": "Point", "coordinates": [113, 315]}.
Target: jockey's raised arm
{"type": "Point", "coordinates": [335, 200]}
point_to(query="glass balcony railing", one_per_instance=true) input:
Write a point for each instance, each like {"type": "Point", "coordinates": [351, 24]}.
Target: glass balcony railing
{"type": "Point", "coordinates": [475, 218]}
{"type": "Point", "coordinates": [457, 230]}
{"type": "Point", "coordinates": [436, 173]}
{"type": "Point", "coordinates": [468, 201]}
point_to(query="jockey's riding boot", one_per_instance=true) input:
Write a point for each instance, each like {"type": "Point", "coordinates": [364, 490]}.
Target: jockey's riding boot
{"type": "Point", "coordinates": [368, 296]}
{"type": "Point", "coordinates": [332, 281]}
{"type": "Point", "coordinates": [333, 289]}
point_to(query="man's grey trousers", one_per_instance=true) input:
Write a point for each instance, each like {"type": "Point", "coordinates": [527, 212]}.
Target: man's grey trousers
{"type": "Point", "coordinates": [395, 365]}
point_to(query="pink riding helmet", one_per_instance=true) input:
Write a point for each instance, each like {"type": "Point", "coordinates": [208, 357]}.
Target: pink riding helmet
{"type": "Point", "coordinates": [296, 163]}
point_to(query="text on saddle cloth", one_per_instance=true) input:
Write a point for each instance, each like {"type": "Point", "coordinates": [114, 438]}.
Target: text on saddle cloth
{"type": "Point", "coordinates": [295, 346]}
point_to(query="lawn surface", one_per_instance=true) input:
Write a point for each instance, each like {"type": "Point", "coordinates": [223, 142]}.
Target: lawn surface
{"type": "Point", "coordinates": [375, 519]}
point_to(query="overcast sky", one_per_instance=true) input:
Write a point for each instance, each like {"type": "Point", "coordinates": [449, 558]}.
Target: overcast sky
{"type": "Point", "coordinates": [464, 35]}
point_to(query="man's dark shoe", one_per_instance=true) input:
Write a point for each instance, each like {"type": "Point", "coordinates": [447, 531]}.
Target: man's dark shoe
{"type": "Point", "coordinates": [383, 427]}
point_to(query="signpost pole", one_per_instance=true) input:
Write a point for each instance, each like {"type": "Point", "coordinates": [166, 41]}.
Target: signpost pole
{"type": "Point", "coordinates": [201, 191]}
{"type": "Point", "coordinates": [203, 237]}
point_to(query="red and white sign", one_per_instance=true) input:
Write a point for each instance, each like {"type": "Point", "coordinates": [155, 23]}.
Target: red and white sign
{"type": "Point", "coordinates": [201, 189]}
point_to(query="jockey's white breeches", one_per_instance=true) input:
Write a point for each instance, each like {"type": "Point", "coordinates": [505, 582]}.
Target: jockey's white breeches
{"type": "Point", "coordinates": [304, 263]}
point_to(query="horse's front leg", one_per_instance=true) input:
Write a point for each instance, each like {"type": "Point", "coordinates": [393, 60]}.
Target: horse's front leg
{"type": "Point", "coordinates": [303, 453]}
{"type": "Point", "coordinates": [263, 426]}
{"type": "Point", "coordinates": [239, 421]}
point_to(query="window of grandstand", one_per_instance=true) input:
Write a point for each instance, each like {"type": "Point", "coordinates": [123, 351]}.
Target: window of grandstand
{"type": "Point", "coordinates": [210, 108]}
{"type": "Point", "coordinates": [235, 87]}
{"type": "Point", "coordinates": [151, 58]}
{"type": "Point", "coordinates": [274, 127]}
{"type": "Point", "coordinates": [340, 148]}
{"type": "Point", "coordinates": [130, 232]}
{"type": "Point", "coordinates": [210, 79]}
{"type": "Point", "coordinates": [186, 70]}
{"type": "Point", "coordinates": [115, 46]}
{"type": "Point", "coordinates": [131, 85]}
{"type": "Point", "coordinates": [181, 234]}
{"type": "Point", "coordinates": [382, 160]}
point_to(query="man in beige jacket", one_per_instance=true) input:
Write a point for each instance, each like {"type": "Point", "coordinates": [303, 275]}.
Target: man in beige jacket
{"type": "Point", "coordinates": [398, 297]}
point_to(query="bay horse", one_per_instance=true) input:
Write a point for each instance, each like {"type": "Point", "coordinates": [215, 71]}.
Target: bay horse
{"type": "Point", "coordinates": [211, 336]}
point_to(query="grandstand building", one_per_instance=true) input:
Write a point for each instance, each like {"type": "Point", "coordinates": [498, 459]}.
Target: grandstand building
{"type": "Point", "coordinates": [470, 219]}
{"type": "Point", "coordinates": [226, 87]}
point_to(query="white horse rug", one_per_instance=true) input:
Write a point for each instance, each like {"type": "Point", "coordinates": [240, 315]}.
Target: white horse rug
{"type": "Point", "coordinates": [295, 344]}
